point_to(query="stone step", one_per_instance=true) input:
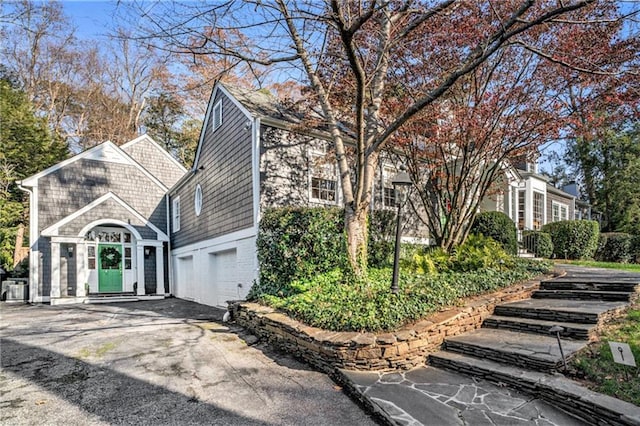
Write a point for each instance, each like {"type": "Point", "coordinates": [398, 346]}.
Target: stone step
{"type": "Point", "coordinates": [523, 350]}
{"type": "Point", "coordinates": [627, 286]}
{"type": "Point", "coordinates": [609, 296]}
{"type": "Point", "coordinates": [535, 326]}
{"type": "Point", "coordinates": [591, 407]}
{"type": "Point", "coordinates": [577, 311]}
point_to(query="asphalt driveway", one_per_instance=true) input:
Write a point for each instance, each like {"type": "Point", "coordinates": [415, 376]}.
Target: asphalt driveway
{"type": "Point", "coordinates": [156, 363]}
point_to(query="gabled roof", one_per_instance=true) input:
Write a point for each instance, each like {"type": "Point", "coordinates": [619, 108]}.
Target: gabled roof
{"type": "Point", "coordinates": [148, 138]}
{"type": "Point", "coordinates": [107, 152]}
{"type": "Point", "coordinates": [53, 229]}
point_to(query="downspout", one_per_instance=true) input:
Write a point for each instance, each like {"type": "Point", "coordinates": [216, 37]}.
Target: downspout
{"type": "Point", "coordinates": [33, 242]}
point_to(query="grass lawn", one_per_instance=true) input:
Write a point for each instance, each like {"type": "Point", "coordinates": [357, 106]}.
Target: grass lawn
{"type": "Point", "coordinates": [595, 364]}
{"type": "Point", "coordinates": [630, 267]}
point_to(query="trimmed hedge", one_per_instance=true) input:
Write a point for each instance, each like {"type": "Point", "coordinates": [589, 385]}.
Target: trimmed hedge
{"type": "Point", "coordinates": [295, 243]}
{"type": "Point", "coordinates": [538, 242]}
{"type": "Point", "coordinates": [573, 239]}
{"type": "Point", "coordinates": [498, 226]}
{"type": "Point", "coordinates": [615, 247]}
{"type": "Point", "coordinates": [635, 249]}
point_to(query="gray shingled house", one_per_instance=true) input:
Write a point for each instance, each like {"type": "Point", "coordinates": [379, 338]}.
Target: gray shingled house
{"type": "Point", "coordinates": [99, 224]}
{"type": "Point", "coordinates": [253, 154]}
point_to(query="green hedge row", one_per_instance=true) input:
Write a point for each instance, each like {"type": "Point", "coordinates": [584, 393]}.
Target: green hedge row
{"type": "Point", "coordinates": [498, 226]}
{"type": "Point", "coordinates": [573, 239]}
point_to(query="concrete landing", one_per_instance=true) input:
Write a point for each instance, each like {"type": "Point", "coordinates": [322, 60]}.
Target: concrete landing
{"type": "Point", "coordinates": [432, 396]}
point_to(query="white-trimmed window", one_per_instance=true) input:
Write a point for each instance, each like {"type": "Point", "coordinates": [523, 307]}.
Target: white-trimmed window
{"type": "Point", "coordinates": [538, 210]}
{"type": "Point", "coordinates": [217, 116]}
{"type": "Point", "coordinates": [323, 179]}
{"type": "Point", "coordinates": [197, 200]}
{"type": "Point", "coordinates": [388, 191]}
{"type": "Point", "coordinates": [559, 211]}
{"type": "Point", "coordinates": [176, 214]}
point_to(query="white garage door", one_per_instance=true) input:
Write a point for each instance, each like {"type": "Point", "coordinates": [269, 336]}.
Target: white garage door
{"type": "Point", "coordinates": [224, 270]}
{"type": "Point", "coordinates": [185, 285]}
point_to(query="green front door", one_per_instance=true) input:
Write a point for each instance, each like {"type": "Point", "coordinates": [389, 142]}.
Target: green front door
{"type": "Point", "coordinates": [109, 268]}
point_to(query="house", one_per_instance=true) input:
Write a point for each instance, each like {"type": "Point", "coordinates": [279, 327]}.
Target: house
{"type": "Point", "coordinates": [253, 154]}
{"type": "Point", "coordinates": [99, 223]}
{"type": "Point", "coordinates": [529, 199]}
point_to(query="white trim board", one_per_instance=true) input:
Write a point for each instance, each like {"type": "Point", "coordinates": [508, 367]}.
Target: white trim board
{"type": "Point", "coordinates": [54, 229]}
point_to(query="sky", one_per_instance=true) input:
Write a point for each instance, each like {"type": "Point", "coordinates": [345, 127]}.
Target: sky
{"type": "Point", "coordinates": [92, 18]}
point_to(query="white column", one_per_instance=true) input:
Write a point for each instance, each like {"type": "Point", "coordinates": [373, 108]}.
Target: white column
{"type": "Point", "coordinates": [140, 267]}
{"type": "Point", "coordinates": [160, 269]}
{"type": "Point", "coordinates": [55, 270]}
{"type": "Point", "coordinates": [81, 269]}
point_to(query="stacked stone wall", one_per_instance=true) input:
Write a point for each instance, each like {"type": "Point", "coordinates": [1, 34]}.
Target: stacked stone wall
{"type": "Point", "coordinates": [402, 349]}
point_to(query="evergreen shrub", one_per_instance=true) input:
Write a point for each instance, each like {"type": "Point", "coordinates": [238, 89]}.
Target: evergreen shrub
{"type": "Point", "coordinates": [614, 247]}
{"type": "Point", "coordinates": [573, 239]}
{"type": "Point", "coordinates": [296, 243]}
{"type": "Point", "coordinates": [538, 242]}
{"type": "Point", "coordinates": [498, 226]}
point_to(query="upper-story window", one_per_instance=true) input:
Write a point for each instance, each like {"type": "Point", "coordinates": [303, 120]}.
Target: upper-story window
{"type": "Point", "coordinates": [197, 200]}
{"type": "Point", "coordinates": [324, 179]}
{"type": "Point", "coordinates": [559, 211]}
{"type": "Point", "coordinates": [388, 191]}
{"type": "Point", "coordinates": [217, 115]}
{"type": "Point", "coordinates": [176, 214]}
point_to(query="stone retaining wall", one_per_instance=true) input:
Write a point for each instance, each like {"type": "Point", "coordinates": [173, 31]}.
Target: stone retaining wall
{"type": "Point", "coordinates": [402, 349]}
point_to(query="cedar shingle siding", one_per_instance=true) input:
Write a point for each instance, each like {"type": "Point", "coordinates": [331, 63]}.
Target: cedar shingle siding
{"type": "Point", "coordinates": [74, 186]}
{"type": "Point", "coordinates": [155, 161]}
{"type": "Point", "coordinates": [225, 178]}
{"type": "Point", "coordinates": [551, 197]}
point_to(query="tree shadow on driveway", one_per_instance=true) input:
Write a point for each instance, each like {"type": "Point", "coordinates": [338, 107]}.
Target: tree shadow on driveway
{"type": "Point", "coordinates": [104, 394]}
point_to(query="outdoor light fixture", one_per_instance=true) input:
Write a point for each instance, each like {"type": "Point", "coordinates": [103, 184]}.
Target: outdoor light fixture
{"type": "Point", "coordinates": [70, 251]}
{"type": "Point", "coordinates": [147, 251]}
{"type": "Point", "coordinates": [401, 183]}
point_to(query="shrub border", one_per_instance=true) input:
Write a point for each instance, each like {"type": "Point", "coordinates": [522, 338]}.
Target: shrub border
{"type": "Point", "coordinates": [403, 349]}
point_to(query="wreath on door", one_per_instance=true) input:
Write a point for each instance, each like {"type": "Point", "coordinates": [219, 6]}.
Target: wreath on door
{"type": "Point", "coordinates": [110, 257]}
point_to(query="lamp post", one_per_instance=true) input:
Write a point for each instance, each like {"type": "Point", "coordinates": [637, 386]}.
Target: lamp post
{"type": "Point", "coordinates": [401, 183]}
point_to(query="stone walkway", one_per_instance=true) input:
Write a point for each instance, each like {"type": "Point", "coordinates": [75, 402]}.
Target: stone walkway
{"type": "Point", "coordinates": [432, 396]}
{"type": "Point", "coordinates": [472, 381]}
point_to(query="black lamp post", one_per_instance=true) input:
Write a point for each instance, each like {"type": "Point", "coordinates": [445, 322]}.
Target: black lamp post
{"type": "Point", "coordinates": [401, 183]}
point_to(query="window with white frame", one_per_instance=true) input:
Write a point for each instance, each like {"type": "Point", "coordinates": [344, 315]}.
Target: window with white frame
{"type": "Point", "coordinates": [388, 191]}
{"type": "Point", "coordinates": [217, 116]}
{"type": "Point", "coordinates": [197, 200]}
{"type": "Point", "coordinates": [559, 211]}
{"type": "Point", "coordinates": [324, 179]}
{"type": "Point", "coordinates": [538, 210]}
{"type": "Point", "coordinates": [176, 214]}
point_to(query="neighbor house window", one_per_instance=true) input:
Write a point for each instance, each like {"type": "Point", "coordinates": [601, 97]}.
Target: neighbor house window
{"type": "Point", "coordinates": [559, 211]}
{"type": "Point", "coordinates": [176, 214]}
{"type": "Point", "coordinates": [388, 192]}
{"type": "Point", "coordinates": [324, 180]}
{"type": "Point", "coordinates": [538, 206]}
{"type": "Point", "coordinates": [217, 115]}
{"type": "Point", "coordinates": [521, 206]}
{"type": "Point", "coordinates": [198, 200]}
